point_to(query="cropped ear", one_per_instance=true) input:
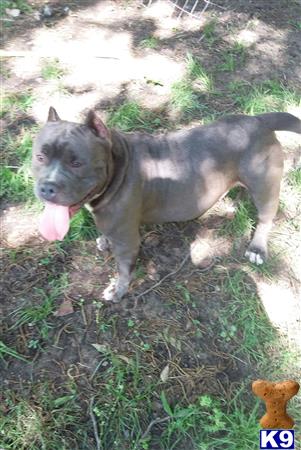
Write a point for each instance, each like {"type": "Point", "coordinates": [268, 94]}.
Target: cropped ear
{"type": "Point", "coordinates": [52, 115]}
{"type": "Point", "coordinates": [96, 124]}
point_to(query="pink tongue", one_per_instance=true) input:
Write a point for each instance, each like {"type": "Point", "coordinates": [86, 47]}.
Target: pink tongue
{"type": "Point", "coordinates": [54, 222]}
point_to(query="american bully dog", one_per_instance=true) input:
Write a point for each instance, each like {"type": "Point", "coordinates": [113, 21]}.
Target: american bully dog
{"type": "Point", "coordinates": [128, 179]}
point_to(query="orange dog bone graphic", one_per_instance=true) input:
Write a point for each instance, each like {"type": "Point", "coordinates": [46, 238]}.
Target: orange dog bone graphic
{"type": "Point", "coordinates": [275, 396]}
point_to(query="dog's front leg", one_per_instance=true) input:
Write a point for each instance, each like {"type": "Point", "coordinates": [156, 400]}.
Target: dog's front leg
{"type": "Point", "coordinates": [125, 255]}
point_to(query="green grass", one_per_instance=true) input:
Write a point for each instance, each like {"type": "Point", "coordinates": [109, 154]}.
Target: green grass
{"type": "Point", "coordinates": [15, 103]}
{"type": "Point", "coordinates": [6, 351]}
{"type": "Point", "coordinates": [22, 5]}
{"type": "Point", "coordinates": [196, 72]}
{"type": "Point", "coordinates": [243, 221]}
{"type": "Point", "coordinates": [82, 227]}
{"type": "Point", "coordinates": [5, 72]}
{"type": "Point", "coordinates": [131, 116]}
{"type": "Point", "coordinates": [294, 179]}
{"type": "Point", "coordinates": [265, 97]}
{"type": "Point", "coordinates": [52, 69]}
{"type": "Point", "coordinates": [296, 24]}
{"type": "Point", "coordinates": [209, 32]}
{"type": "Point", "coordinates": [43, 420]}
{"type": "Point", "coordinates": [38, 314]}
{"type": "Point", "coordinates": [150, 42]}
{"type": "Point", "coordinates": [233, 58]}
{"type": "Point", "coordinates": [211, 423]}
{"type": "Point", "coordinates": [16, 179]}
{"type": "Point", "coordinates": [123, 404]}
{"type": "Point", "coordinates": [243, 321]}
{"type": "Point", "coordinates": [184, 96]}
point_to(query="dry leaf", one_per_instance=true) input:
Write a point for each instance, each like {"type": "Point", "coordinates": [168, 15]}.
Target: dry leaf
{"type": "Point", "coordinates": [65, 308]}
{"type": "Point", "coordinates": [101, 348]}
{"type": "Point", "coordinates": [124, 358]}
{"type": "Point", "coordinates": [164, 374]}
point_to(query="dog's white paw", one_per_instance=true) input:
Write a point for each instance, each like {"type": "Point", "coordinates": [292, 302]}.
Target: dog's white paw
{"type": "Point", "coordinates": [110, 294]}
{"type": "Point", "coordinates": [254, 257]}
{"type": "Point", "coordinates": [102, 244]}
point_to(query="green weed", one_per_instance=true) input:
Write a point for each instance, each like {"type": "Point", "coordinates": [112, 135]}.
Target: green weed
{"type": "Point", "coordinates": [198, 74]}
{"type": "Point", "coordinates": [131, 116]}
{"type": "Point", "coordinates": [185, 93]}
{"type": "Point", "coordinates": [243, 320]}
{"type": "Point", "coordinates": [183, 98]}
{"type": "Point", "coordinates": [123, 403]}
{"type": "Point", "coordinates": [209, 32]}
{"type": "Point", "coordinates": [233, 58]}
{"type": "Point", "coordinates": [5, 351]}
{"type": "Point", "coordinates": [209, 423]}
{"type": "Point", "coordinates": [150, 42]}
{"type": "Point", "coordinates": [265, 97]}
{"type": "Point", "coordinates": [37, 315]}
{"type": "Point", "coordinates": [294, 179]}
{"type": "Point", "coordinates": [15, 103]}
{"type": "Point", "coordinates": [5, 72]}
{"type": "Point", "coordinates": [16, 179]}
{"type": "Point", "coordinates": [22, 5]}
{"type": "Point", "coordinates": [52, 70]}
{"type": "Point", "coordinates": [82, 227]}
{"type": "Point", "coordinates": [43, 420]}
{"type": "Point", "coordinates": [296, 24]}
{"type": "Point", "coordinates": [243, 221]}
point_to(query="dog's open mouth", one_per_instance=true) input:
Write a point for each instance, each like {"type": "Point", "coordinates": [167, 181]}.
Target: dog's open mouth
{"type": "Point", "coordinates": [55, 219]}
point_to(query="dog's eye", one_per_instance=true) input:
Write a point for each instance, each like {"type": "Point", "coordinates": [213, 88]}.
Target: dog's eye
{"type": "Point", "coordinates": [40, 158]}
{"type": "Point", "coordinates": [76, 163]}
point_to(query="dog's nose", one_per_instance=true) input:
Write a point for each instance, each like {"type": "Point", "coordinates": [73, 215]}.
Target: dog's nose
{"type": "Point", "coordinates": [48, 191]}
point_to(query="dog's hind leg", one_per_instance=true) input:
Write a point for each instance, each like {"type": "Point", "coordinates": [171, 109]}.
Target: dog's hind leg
{"type": "Point", "coordinates": [264, 189]}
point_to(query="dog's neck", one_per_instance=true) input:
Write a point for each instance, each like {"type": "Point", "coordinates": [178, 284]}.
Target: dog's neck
{"type": "Point", "coordinates": [117, 165]}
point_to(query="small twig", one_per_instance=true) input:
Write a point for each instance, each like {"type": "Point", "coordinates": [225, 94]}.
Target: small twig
{"type": "Point", "coordinates": [205, 269]}
{"type": "Point", "coordinates": [152, 423]}
{"type": "Point", "coordinates": [164, 278]}
{"type": "Point", "coordinates": [95, 430]}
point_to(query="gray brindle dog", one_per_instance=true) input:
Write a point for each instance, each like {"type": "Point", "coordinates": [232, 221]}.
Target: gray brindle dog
{"type": "Point", "coordinates": [129, 179]}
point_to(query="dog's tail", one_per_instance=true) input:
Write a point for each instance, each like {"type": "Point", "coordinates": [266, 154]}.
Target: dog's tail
{"type": "Point", "coordinates": [281, 121]}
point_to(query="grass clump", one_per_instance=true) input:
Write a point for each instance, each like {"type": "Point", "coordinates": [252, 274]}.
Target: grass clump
{"type": "Point", "coordinates": [185, 93]}
{"type": "Point", "coordinates": [43, 420]}
{"type": "Point", "coordinates": [209, 32]}
{"type": "Point", "coordinates": [6, 351]}
{"type": "Point", "coordinates": [38, 314]}
{"type": "Point", "coordinates": [14, 104]}
{"type": "Point", "coordinates": [209, 423]}
{"type": "Point", "coordinates": [22, 5]}
{"type": "Point", "coordinates": [52, 70]}
{"type": "Point", "coordinates": [82, 227]}
{"type": "Point", "coordinates": [16, 179]}
{"type": "Point", "coordinates": [150, 42]}
{"type": "Point", "coordinates": [196, 72]}
{"type": "Point", "coordinates": [183, 97]}
{"type": "Point", "coordinates": [131, 116]}
{"type": "Point", "coordinates": [233, 57]}
{"type": "Point", "coordinates": [294, 179]}
{"type": "Point", "coordinates": [246, 326]}
{"type": "Point", "coordinates": [265, 97]}
{"type": "Point", "coordinates": [243, 221]}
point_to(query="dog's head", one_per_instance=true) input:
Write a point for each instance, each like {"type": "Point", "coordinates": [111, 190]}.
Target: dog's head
{"type": "Point", "coordinates": [71, 164]}
{"type": "Point", "coordinates": [70, 160]}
